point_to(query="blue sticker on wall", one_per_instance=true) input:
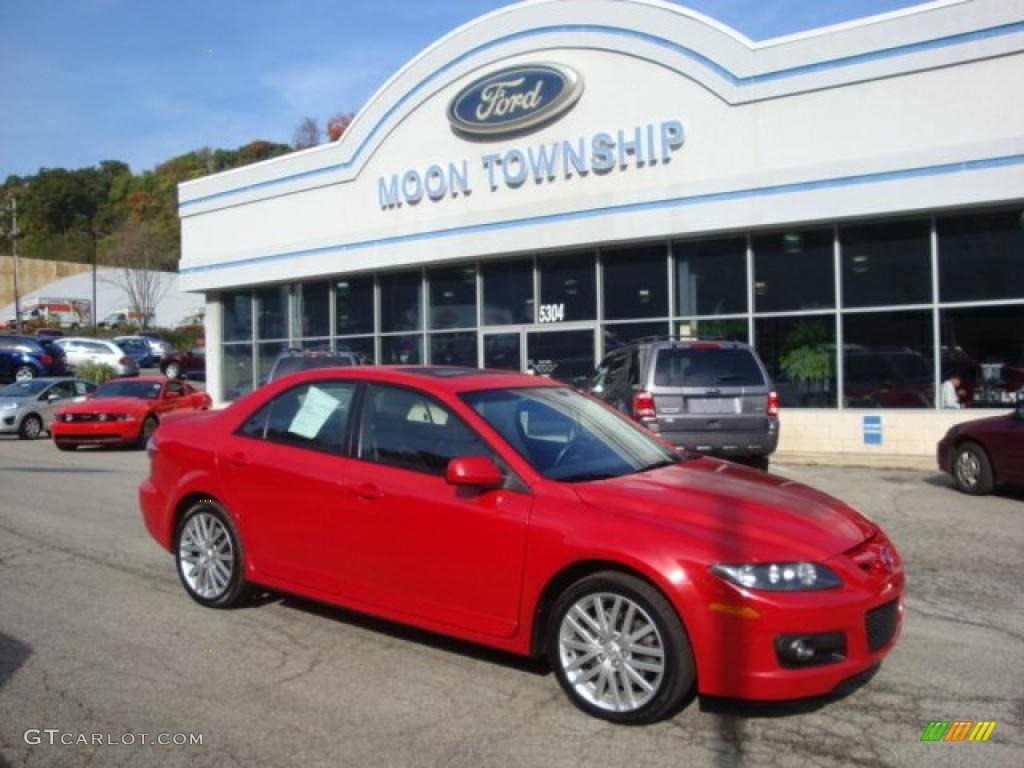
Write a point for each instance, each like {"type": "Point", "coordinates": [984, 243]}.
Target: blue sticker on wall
{"type": "Point", "coordinates": [872, 430]}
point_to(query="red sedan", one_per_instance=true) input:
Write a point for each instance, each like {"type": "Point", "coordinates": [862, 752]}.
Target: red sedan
{"type": "Point", "coordinates": [123, 411]}
{"type": "Point", "coordinates": [980, 454]}
{"type": "Point", "coordinates": [518, 513]}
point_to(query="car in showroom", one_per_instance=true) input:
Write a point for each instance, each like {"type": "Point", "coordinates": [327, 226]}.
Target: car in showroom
{"type": "Point", "coordinates": [123, 412]}
{"type": "Point", "coordinates": [185, 365]}
{"type": "Point", "coordinates": [984, 453]}
{"type": "Point", "coordinates": [26, 407]}
{"type": "Point", "coordinates": [701, 395]}
{"type": "Point", "coordinates": [518, 513]}
{"type": "Point", "coordinates": [80, 350]}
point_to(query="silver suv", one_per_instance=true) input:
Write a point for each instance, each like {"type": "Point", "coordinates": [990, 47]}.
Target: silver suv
{"type": "Point", "coordinates": [703, 396]}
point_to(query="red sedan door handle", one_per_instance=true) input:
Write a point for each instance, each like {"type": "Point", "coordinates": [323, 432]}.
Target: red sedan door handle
{"type": "Point", "coordinates": [367, 491]}
{"type": "Point", "coordinates": [238, 459]}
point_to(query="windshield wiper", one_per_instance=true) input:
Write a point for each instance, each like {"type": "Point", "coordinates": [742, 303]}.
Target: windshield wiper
{"type": "Point", "coordinates": [660, 464]}
{"type": "Point", "coordinates": [584, 477]}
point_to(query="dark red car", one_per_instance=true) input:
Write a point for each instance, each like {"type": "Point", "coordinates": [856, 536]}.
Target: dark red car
{"type": "Point", "coordinates": [981, 453]}
{"type": "Point", "coordinates": [185, 365]}
{"type": "Point", "coordinates": [517, 513]}
{"type": "Point", "coordinates": [123, 412]}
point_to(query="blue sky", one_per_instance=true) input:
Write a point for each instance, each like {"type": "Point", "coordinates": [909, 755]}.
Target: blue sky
{"type": "Point", "coordinates": [87, 80]}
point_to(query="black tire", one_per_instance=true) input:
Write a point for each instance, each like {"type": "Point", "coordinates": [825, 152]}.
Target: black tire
{"type": "Point", "coordinates": [237, 588]}
{"type": "Point", "coordinates": [65, 446]}
{"type": "Point", "coordinates": [972, 471]}
{"type": "Point", "coordinates": [31, 427]}
{"type": "Point", "coordinates": [678, 676]}
{"type": "Point", "coordinates": [146, 431]}
{"type": "Point", "coordinates": [24, 373]}
{"type": "Point", "coordinates": [172, 371]}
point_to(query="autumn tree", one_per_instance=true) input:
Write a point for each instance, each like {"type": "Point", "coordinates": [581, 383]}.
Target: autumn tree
{"type": "Point", "coordinates": [338, 124]}
{"type": "Point", "coordinates": [307, 134]}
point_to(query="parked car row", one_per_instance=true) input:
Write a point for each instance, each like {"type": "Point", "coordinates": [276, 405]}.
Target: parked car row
{"type": "Point", "coordinates": [75, 412]}
{"type": "Point", "coordinates": [50, 353]}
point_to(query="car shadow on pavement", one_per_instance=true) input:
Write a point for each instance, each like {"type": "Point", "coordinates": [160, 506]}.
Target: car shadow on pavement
{"type": "Point", "coordinates": [942, 480]}
{"type": "Point", "coordinates": [13, 654]}
{"type": "Point", "coordinates": [732, 708]}
{"type": "Point", "coordinates": [408, 634]}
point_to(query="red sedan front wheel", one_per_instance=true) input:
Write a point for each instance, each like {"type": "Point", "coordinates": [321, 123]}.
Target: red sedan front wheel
{"type": "Point", "coordinates": [619, 650]}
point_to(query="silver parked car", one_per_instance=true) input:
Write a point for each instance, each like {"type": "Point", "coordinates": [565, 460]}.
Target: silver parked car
{"type": "Point", "coordinates": [81, 350]}
{"type": "Point", "coordinates": [704, 396]}
{"type": "Point", "coordinates": [26, 407]}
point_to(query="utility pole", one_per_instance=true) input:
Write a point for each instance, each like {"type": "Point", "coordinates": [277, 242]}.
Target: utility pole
{"type": "Point", "coordinates": [92, 235]}
{"type": "Point", "coordinates": [12, 206]}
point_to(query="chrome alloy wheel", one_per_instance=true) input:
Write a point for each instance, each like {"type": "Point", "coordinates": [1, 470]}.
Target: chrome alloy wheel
{"type": "Point", "coordinates": [968, 469]}
{"type": "Point", "coordinates": [206, 558]}
{"type": "Point", "coordinates": [611, 652]}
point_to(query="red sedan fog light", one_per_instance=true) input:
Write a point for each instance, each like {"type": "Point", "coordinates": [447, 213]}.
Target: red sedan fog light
{"type": "Point", "coordinates": [810, 650]}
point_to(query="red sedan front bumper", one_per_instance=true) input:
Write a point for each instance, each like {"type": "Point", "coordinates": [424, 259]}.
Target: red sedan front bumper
{"type": "Point", "coordinates": [743, 632]}
{"type": "Point", "coordinates": [95, 432]}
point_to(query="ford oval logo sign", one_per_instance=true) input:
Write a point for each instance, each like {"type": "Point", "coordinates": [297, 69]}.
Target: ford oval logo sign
{"type": "Point", "coordinates": [514, 99]}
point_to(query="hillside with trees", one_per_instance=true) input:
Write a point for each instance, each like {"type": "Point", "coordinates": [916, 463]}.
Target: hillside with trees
{"type": "Point", "coordinates": [106, 209]}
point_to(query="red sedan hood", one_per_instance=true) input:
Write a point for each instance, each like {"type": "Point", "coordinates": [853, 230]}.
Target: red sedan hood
{"type": "Point", "coordinates": [737, 514]}
{"type": "Point", "coordinates": [108, 405]}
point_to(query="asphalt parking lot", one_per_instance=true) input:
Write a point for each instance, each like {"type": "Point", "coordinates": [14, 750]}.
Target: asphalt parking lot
{"type": "Point", "coordinates": [97, 636]}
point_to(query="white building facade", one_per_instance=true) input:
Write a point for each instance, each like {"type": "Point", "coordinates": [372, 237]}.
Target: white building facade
{"type": "Point", "coordinates": [561, 176]}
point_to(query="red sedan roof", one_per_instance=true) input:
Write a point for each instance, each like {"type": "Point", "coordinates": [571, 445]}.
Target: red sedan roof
{"type": "Point", "coordinates": [436, 377]}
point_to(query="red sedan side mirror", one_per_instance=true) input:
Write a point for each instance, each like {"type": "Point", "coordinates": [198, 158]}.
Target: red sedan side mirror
{"type": "Point", "coordinates": [474, 471]}
{"type": "Point", "coordinates": [171, 395]}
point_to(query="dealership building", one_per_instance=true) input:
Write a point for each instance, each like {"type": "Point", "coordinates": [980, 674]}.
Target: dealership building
{"type": "Point", "coordinates": [559, 177]}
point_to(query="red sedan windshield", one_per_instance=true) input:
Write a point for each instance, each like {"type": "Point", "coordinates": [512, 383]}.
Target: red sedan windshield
{"type": "Point", "coordinates": [567, 436]}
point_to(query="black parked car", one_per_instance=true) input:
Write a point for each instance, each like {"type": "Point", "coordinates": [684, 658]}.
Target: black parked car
{"type": "Point", "coordinates": [711, 397]}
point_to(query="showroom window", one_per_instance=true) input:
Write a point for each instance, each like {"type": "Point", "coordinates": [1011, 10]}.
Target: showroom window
{"type": "Point", "coordinates": [563, 355]}
{"type": "Point", "coordinates": [313, 309]}
{"type": "Point", "coordinates": [618, 334]}
{"type": "Point", "coordinates": [237, 315]}
{"type": "Point", "coordinates": [730, 329]}
{"type": "Point", "coordinates": [800, 355]}
{"type": "Point", "coordinates": [362, 344]}
{"type": "Point", "coordinates": [236, 370]}
{"type": "Point", "coordinates": [452, 297]}
{"type": "Point", "coordinates": [984, 346]}
{"type": "Point", "coordinates": [980, 256]}
{"type": "Point", "coordinates": [567, 288]}
{"type": "Point", "coordinates": [888, 360]}
{"type": "Point", "coordinates": [401, 302]}
{"type": "Point", "coordinates": [353, 306]}
{"type": "Point", "coordinates": [453, 348]}
{"type": "Point", "coordinates": [266, 354]}
{"type": "Point", "coordinates": [272, 312]}
{"type": "Point", "coordinates": [794, 270]}
{"type": "Point", "coordinates": [508, 292]}
{"type": "Point", "coordinates": [401, 350]}
{"type": "Point", "coordinates": [635, 283]}
{"type": "Point", "coordinates": [711, 276]}
{"type": "Point", "coordinates": [887, 263]}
